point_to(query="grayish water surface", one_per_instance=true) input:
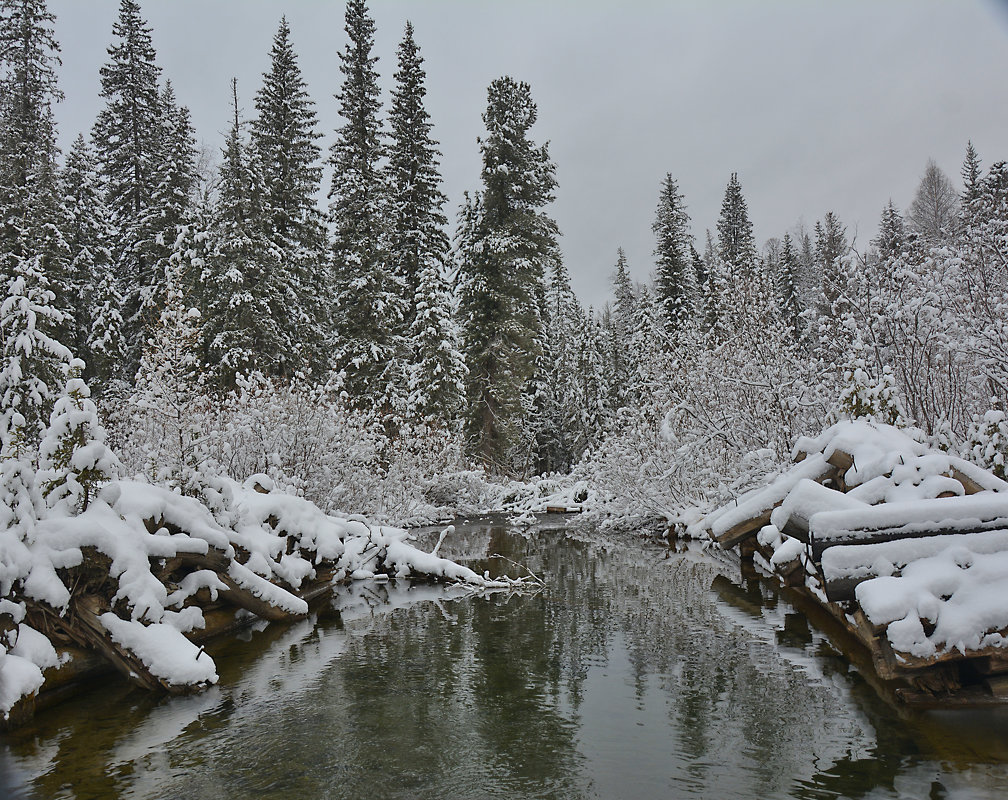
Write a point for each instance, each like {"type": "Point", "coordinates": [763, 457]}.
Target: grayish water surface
{"type": "Point", "coordinates": [635, 673]}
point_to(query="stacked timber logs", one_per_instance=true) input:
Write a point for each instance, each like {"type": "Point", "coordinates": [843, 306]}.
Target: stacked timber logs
{"type": "Point", "coordinates": [904, 546]}
{"type": "Point", "coordinates": [144, 576]}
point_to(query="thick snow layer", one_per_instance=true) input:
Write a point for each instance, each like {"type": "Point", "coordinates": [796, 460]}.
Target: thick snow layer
{"type": "Point", "coordinates": [19, 677]}
{"type": "Point", "coordinates": [137, 502]}
{"type": "Point", "coordinates": [125, 541]}
{"type": "Point", "coordinates": [264, 590]}
{"type": "Point", "coordinates": [876, 449]}
{"type": "Point", "coordinates": [36, 647]}
{"type": "Point", "coordinates": [163, 650]}
{"type": "Point", "coordinates": [757, 502]}
{"type": "Point", "coordinates": [808, 498]}
{"type": "Point", "coordinates": [983, 510]}
{"type": "Point", "coordinates": [959, 590]}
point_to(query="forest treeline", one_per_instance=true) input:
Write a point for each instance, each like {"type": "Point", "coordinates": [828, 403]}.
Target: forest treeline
{"type": "Point", "coordinates": [363, 349]}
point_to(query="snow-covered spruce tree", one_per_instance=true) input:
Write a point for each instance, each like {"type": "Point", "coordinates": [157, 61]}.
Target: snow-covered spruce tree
{"type": "Point", "coordinates": [127, 138]}
{"type": "Point", "coordinates": [892, 239]}
{"type": "Point", "coordinates": [590, 375]}
{"type": "Point", "coordinates": [714, 293]}
{"type": "Point", "coordinates": [239, 328]}
{"type": "Point", "coordinates": [20, 503]}
{"type": "Point", "coordinates": [735, 244]}
{"type": "Point", "coordinates": [29, 56]}
{"type": "Point", "coordinates": [418, 247]}
{"type": "Point", "coordinates": [831, 251]}
{"type": "Point", "coordinates": [971, 176]}
{"type": "Point", "coordinates": [436, 376]}
{"type": "Point", "coordinates": [981, 296]}
{"type": "Point", "coordinates": [624, 358]}
{"type": "Point", "coordinates": [73, 458]}
{"type": "Point", "coordinates": [34, 362]}
{"type": "Point", "coordinates": [787, 286]}
{"type": "Point", "coordinates": [171, 208]}
{"type": "Point", "coordinates": [371, 294]}
{"type": "Point", "coordinates": [106, 343]}
{"type": "Point", "coordinates": [553, 407]}
{"type": "Point", "coordinates": [511, 244]}
{"type": "Point", "coordinates": [287, 160]}
{"type": "Point", "coordinates": [674, 282]}
{"type": "Point", "coordinates": [166, 393]}
{"type": "Point", "coordinates": [86, 232]}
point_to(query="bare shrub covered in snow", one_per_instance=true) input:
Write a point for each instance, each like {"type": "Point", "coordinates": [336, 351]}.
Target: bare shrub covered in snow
{"type": "Point", "coordinates": [309, 441]}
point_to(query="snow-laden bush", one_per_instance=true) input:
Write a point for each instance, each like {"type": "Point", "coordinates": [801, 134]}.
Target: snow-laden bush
{"type": "Point", "coordinates": [723, 411]}
{"type": "Point", "coordinates": [867, 397]}
{"type": "Point", "coordinates": [73, 458]}
{"type": "Point", "coordinates": [988, 443]}
{"type": "Point", "coordinates": [307, 440]}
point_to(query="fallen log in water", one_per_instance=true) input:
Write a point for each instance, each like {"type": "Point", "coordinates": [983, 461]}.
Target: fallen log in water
{"type": "Point", "coordinates": [144, 576]}
{"type": "Point", "coordinates": [903, 546]}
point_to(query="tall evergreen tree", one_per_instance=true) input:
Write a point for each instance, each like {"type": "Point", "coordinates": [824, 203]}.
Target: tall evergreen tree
{"type": "Point", "coordinates": [416, 203]}
{"type": "Point", "coordinates": [129, 137]}
{"type": "Point", "coordinates": [287, 160]}
{"type": "Point", "coordinates": [713, 291]}
{"type": "Point", "coordinates": [787, 286]}
{"type": "Point", "coordinates": [29, 56]}
{"type": "Point", "coordinates": [624, 365]}
{"type": "Point", "coordinates": [418, 247]}
{"type": "Point", "coordinates": [971, 175]}
{"type": "Point", "coordinates": [87, 235]}
{"type": "Point", "coordinates": [171, 208]}
{"type": "Point", "coordinates": [831, 249]}
{"type": "Point", "coordinates": [371, 298]}
{"type": "Point", "coordinates": [240, 330]}
{"type": "Point", "coordinates": [892, 235]}
{"type": "Point", "coordinates": [509, 245]}
{"type": "Point", "coordinates": [675, 282]}
{"type": "Point", "coordinates": [736, 245]}
{"type": "Point", "coordinates": [554, 417]}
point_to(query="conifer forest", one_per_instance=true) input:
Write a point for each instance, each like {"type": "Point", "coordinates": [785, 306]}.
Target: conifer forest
{"type": "Point", "coordinates": [193, 321]}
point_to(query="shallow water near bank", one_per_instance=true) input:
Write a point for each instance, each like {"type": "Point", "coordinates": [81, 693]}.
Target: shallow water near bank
{"type": "Point", "coordinates": [635, 672]}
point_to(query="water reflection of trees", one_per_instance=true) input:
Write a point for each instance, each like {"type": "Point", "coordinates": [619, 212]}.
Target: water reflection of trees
{"type": "Point", "coordinates": [415, 691]}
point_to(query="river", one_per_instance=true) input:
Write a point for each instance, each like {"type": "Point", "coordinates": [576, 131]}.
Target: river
{"type": "Point", "coordinates": [635, 672]}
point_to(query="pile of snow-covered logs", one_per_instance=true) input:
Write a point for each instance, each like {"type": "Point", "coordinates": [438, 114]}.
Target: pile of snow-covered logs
{"type": "Point", "coordinates": [144, 576]}
{"type": "Point", "coordinates": [905, 546]}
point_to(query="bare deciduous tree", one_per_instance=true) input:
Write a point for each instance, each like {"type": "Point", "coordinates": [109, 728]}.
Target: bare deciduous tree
{"type": "Point", "coordinates": [935, 207]}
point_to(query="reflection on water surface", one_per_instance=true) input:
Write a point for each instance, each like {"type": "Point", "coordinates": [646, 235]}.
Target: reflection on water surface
{"type": "Point", "coordinates": [635, 673]}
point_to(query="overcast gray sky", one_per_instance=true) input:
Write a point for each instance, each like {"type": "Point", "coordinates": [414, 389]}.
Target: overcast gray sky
{"type": "Point", "coordinates": [817, 105]}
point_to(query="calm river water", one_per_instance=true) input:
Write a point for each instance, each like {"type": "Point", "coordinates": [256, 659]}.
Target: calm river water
{"type": "Point", "coordinates": [635, 673]}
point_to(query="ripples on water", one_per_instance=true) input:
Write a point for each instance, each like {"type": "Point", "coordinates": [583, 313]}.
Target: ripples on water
{"type": "Point", "coordinates": [636, 673]}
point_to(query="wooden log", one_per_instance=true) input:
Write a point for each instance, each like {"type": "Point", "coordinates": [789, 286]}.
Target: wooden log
{"type": "Point", "coordinates": [998, 686]}
{"type": "Point", "coordinates": [90, 633]}
{"type": "Point", "coordinates": [244, 598]}
{"type": "Point", "coordinates": [842, 590]}
{"type": "Point", "coordinates": [991, 665]}
{"type": "Point", "coordinates": [841, 460]}
{"type": "Point", "coordinates": [820, 546]}
{"type": "Point", "coordinates": [745, 529]}
{"type": "Point", "coordinates": [747, 547]}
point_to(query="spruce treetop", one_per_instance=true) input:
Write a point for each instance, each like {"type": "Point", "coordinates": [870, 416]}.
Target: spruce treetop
{"type": "Point", "coordinates": [736, 244]}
